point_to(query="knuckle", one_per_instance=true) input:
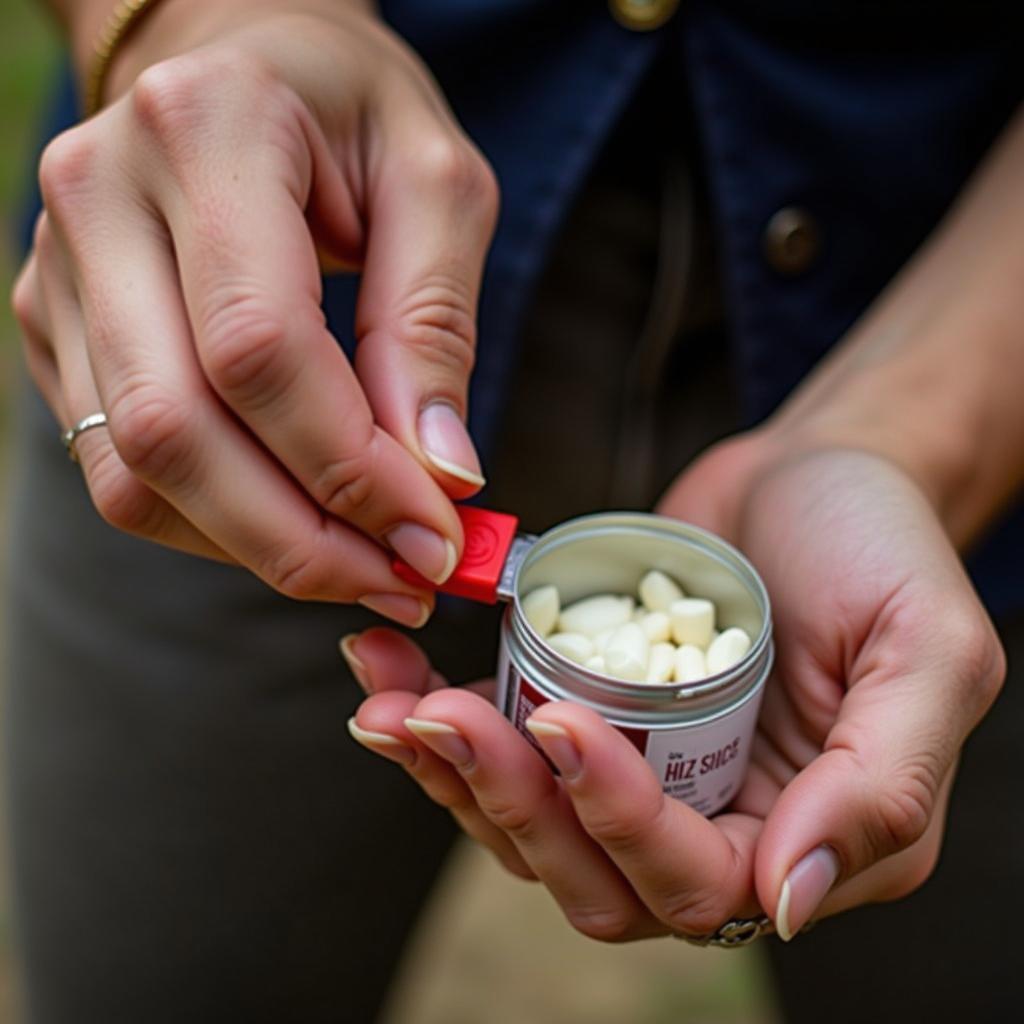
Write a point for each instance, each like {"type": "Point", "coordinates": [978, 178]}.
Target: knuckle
{"type": "Point", "coordinates": [604, 924]}
{"type": "Point", "coordinates": [66, 169]}
{"type": "Point", "coordinates": [150, 430]}
{"type": "Point", "coordinates": [457, 167]}
{"type": "Point", "coordinates": [983, 660]}
{"type": "Point", "coordinates": [450, 794]}
{"type": "Point", "coordinates": [515, 865]}
{"type": "Point", "coordinates": [438, 325]}
{"type": "Point", "coordinates": [168, 95]}
{"type": "Point", "coordinates": [345, 487]}
{"type": "Point", "coordinates": [299, 573]}
{"type": "Point", "coordinates": [625, 829]}
{"type": "Point", "coordinates": [516, 821]}
{"type": "Point", "coordinates": [995, 676]}
{"type": "Point", "coordinates": [23, 303]}
{"type": "Point", "coordinates": [243, 349]}
{"type": "Point", "coordinates": [174, 101]}
{"type": "Point", "coordinates": [903, 809]}
{"type": "Point", "coordinates": [121, 500]}
{"type": "Point", "coordinates": [694, 913]}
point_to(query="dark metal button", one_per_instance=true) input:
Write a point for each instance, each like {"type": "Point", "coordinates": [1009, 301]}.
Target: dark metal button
{"type": "Point", "coordinates": [791, 241]}
{"type": "Point", "coordinates": [642, 15]}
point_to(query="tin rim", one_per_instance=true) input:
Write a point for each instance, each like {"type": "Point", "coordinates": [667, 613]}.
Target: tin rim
{"type": "Point", "coordinates": [709, 544]}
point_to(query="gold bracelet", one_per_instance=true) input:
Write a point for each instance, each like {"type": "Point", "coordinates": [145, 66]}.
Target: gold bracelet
{"type": "Point", "coordinates": [120, 22]}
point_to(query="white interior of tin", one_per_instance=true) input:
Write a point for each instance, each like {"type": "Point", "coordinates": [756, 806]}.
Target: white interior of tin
{"type": "Point", "coordinates": [587, 557]}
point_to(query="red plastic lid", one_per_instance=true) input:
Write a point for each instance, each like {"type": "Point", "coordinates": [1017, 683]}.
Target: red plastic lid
{"type": "Point", "coordinates": [489, 536]}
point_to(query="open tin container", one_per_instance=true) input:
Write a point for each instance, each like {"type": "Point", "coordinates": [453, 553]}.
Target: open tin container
{"type": "Point", "coordinates": [695, 736]}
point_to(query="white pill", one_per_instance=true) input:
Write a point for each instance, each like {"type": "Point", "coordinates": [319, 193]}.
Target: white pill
{"type": "Point", "coordinates": [661, 663]}
{"type": "Point", "coordinates": [596, 663]}
{"type": "Point", "coordinates": [657, 626]}
{"type": "Point", "coordinates": [693, 619]}
{"type": "Point", "coordinates": [639, 613]}
{"type": "Point", "coordinates": [689, 664]}
{"type": "Point", "coordinates": [626, 653]}
{"type": "Point", "coordinates": [658, 591]}
{"type": "Point", "coordinates": [574, 646]}
{"type": "Point", "coordinates": [727, 649]}
{"type": "Point", "coordinates": [593, 614]}
{"type": "Point", "coordinates": [541, 607]}
{"type": "Point", "coordinates": [601, 639]}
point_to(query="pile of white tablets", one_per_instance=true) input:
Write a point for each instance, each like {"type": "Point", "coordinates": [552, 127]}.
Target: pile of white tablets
{"type": "Point", "coordinates": [667, 638]}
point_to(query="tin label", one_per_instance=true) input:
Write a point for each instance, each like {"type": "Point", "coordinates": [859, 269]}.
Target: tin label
{"type": "Point", "coordinates": [702, 764]}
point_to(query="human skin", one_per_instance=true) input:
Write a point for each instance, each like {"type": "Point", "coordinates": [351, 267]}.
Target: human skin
{"type": "Point", "coordinates": [852, 501]}
{"type": "Point", "coordinates": [175, 283]}
{"type": "Point", "coordinates": [886, 658]}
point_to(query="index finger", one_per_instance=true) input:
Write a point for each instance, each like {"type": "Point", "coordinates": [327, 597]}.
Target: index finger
{"type": "Point", "coordinates": [692, 872]}
{"type": "Point", "coordinates": [251, 283]}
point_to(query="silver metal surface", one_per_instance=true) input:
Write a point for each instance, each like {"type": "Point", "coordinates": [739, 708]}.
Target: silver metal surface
{"type": "Point", "coordinates": [741, 931]}
{"type": "Point", "coordinates": [671, 723]}
{"type": "Point", "coordinates": [520, 548]}
{"type": "Point", "coordinates": [609, 553]}
{"type": "Point", "coordinates": [70, 436]}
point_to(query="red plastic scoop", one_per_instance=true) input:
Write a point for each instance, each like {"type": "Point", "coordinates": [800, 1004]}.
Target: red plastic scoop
{"type": "Point", "coordinates": [489, 539]}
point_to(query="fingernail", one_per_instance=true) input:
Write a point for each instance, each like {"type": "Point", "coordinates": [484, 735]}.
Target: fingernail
{"type": "Point", "coordinates": [559, 746]}
{"type": "Point", "coordinates": [444, 740]}
{"type": "Point", "coordinates": [409, 611]}
{"type": "Point", "coordinates": [354, 662]}
{"type": "Point", "coordinates": [446, 442]}
{"type": "Point", "coordinates": [430, 554]}
{"type": "Point", "coordinates": [806, 885]}
{"type": "Point", "coordinates": [381, 743]}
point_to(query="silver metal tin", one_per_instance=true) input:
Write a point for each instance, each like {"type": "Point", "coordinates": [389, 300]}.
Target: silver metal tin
{"type": "Point", "coordinates": [695, 736]}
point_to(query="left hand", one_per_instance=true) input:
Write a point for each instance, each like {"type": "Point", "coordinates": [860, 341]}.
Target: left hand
{"type": "Point", "coordinates": [886, 661]}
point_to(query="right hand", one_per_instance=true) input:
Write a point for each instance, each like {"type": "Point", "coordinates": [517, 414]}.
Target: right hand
{"type": "Point", "coordinates": [886, 660]}
{"type": "Point", "coordinates": [174, 283]}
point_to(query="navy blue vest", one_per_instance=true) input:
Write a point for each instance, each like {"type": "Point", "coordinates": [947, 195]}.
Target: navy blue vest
{"type": "Point", "coordinates": [868, 114]}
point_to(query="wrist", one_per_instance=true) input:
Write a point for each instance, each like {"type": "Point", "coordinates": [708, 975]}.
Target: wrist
{"type": "Point", "coordinates": [897, 411]}
{"type": "Point", "coordinates": [173, 27]}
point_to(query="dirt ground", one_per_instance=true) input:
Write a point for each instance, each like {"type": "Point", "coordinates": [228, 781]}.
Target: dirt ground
{"type": "Point", "coordinates": [494, 950]}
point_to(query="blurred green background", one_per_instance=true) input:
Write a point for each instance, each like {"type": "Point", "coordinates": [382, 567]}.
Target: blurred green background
{"type": "Point", "coordinates": [28, 52]}
{"type": "Point", "coordinates": [492, 949]}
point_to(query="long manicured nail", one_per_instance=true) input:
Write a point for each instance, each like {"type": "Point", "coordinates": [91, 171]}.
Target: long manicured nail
{"type": "Point", "coordinates": [381, 743]}
{"type": "Point", "coordinates": [443, 739]}
{"type": "Point", "coordinates": [409, 611]}
{"type": "Point", "coordinates": [806, 885]}
{"type": "Point", "coordinates": [356, 665]}
{"type": "Point", "coordinates": [559, 746]}
{"type": "Point", "coordinates": [430, 554]}
{"type": "Point", "coordinates": [446, 442]}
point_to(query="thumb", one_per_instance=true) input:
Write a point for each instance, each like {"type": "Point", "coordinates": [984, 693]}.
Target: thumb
{"type": "Point", "coordinates": [710, 492]}
{"type": "Point", "coordinates": [430, 220]}
{"type": "Point", "coordinates": [872, 793]}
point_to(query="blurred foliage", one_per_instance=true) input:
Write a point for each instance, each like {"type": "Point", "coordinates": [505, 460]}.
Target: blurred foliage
{"type": "Point", "coordinates": [28, 53]}
{"type": "Point", "coordinates": [29, 50]}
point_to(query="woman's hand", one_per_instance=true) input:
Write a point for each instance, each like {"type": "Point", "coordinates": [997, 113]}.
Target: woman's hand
{"type": "Point", "coordinates": [174, 284]}
{"type": "Point", "coordinates": [886, 660]}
